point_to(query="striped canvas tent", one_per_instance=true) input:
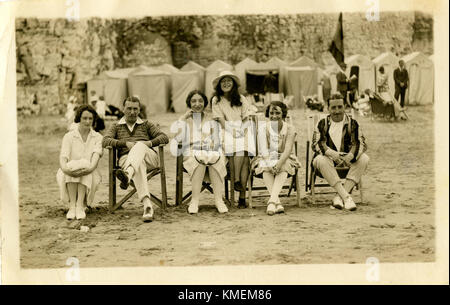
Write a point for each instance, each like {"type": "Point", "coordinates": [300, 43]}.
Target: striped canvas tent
{"type": "Point", "coordinates": [193, 66]}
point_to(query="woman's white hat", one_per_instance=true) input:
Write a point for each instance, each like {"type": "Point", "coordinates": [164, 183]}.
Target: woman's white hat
{"type": "Point", "coordinates": [224, 74]}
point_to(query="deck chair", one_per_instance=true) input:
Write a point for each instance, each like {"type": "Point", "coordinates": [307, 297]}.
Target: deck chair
{"type": "Point", "coordinates": [380, 108]}
{"type": "Point", "coordinates": [180, 170]}
{"type": "Point", "coordinates": [312, 174]}
{"type": "Point", "coordinates": [114, 166]}
{"type": "Point", "coordinates": [293, 185]}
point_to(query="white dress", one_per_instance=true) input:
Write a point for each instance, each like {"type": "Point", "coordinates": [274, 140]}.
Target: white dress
{"type": "Point", "coordinates": [203, 130]}
{"type": "Point", "coordinates": [79, 154]}
{"type": "Point", "coordinates": [238, 137]}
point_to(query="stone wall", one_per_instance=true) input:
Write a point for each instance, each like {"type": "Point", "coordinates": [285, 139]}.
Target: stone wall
{"type": "Point", "coordinates": [56, 57]}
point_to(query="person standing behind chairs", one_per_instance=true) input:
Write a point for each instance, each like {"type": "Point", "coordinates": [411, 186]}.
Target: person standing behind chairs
{"type": "Point", "coordinates": [401, 80]}
{"type": "Point", "coordinates": [338, 141]}
{"type": "Point", "coordinates": [342, 84]}
{"type": "Point", "coordinates": [232, 110]}
{"type": "Point", "coordinates": [135, 138]}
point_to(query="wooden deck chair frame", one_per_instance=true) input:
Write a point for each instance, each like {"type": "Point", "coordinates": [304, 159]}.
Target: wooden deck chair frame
{"type": "Point", "coordinates": [295, 179]}
{"type": "Point", "coordinates": [312, 173]}
{"type": "Point", "coordinates": [180, 170]}
{"type": "Point", "coordinates": [114, 166]}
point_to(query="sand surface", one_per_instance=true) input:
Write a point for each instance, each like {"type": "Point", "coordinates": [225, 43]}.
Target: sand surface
{"type": "Point", "coordinates": [395, 224]}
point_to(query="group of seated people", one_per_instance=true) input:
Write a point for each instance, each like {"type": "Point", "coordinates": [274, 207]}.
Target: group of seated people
{"type": "Point", "coordinates": [207, 139]}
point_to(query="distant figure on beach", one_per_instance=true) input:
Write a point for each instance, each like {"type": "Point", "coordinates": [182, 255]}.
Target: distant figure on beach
{"type": "Point", "coordinates": [270, 83]}
{"type": "Point", "coordinates": [401, 80]}
{"type": "Point", "coordinates": [338, 141]}
{"type": "Point", "coordinates": [77, 177]}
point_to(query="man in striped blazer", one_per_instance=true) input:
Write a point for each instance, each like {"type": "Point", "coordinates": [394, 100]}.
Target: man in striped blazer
{"type": "Point", "coordinates": [339, 141]}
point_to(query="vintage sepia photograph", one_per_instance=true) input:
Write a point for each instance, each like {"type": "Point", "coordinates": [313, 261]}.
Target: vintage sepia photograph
{"type": "Point", "coordinates": [223, 136]}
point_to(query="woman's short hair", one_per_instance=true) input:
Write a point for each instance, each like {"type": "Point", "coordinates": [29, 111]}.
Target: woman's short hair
{"type": "Point", "coordinates": [82, 109]}
{"type": "Point", "coordinates": [134, 99]}
{"type": "Point", "coordinates": [194, 92]}
{"type": "Point", "coordinates": [282, 105]}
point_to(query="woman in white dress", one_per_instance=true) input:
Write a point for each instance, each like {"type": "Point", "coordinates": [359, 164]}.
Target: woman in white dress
{"type": "Point", "coordinates": [278, 159]}
{"type": "Point", "coordinates": [203, 158]}
{"type": "Point", "coordinates": [232, 110]}
{"type": "Point", "coordinates": [78, 177]}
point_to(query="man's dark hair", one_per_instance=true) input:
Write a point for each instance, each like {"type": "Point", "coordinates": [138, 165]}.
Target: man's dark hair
{"type": "Point", "coordinates": [133, 99]}
{"type": "Point", "coordinates": [335, 96]}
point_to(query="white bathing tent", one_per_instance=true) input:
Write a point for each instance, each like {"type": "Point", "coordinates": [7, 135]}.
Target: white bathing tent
{"type": "Point", "coordinates": [112, 85]}
{"type": "Point", "coordinates": [212, 71]}
{"type": "Point", "coordinates": [421, 79]}
{"type": "Point", "coordinates": [152, 87]}
{"type": "Point", "coordinates": [193, 66]}
{"type": "Point", "coordinates": [183, 82]}
{"type": "Point", "coordinates": [301, 82]}
{"type": "Point", "coordinates": [390, 62]}
{"type": "Point", "coordinates": [302, 79]}
{"type": "Point", "coordinates": [366, 71]}
{"type": "Point", "coordinates": [241, 68]}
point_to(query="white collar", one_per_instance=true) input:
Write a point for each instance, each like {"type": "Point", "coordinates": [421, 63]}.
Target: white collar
{"type": "Point", "coordinates": [78, 134]}
{"type": "Point", "coordinates": [122, 121]}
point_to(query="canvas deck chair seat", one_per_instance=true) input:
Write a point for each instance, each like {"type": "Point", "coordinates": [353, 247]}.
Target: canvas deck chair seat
{"type": "Point", "coordinates": [114, 167]}
{"type": "Point", "coordinates": [186, 198]}
{"type": "Point", "coordinates": [382, 108]}
{"type": "Point", "coordinates": [294, 184]}
{"type": "Point", "coordinates": [313, 175]}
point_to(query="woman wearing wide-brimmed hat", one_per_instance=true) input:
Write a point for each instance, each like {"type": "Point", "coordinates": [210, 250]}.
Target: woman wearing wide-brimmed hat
{"type": "Point", "coordinates": [232, 110]}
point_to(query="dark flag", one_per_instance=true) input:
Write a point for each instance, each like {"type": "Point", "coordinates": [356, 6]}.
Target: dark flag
{"type": "Point", "coordinates": [337, 45]}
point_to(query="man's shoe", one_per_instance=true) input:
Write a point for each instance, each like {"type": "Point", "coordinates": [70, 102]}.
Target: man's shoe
{"type": "Point", "coordinates": [193, 208]}
{"type": "Point", "coordinates": [279, 208]}
{"type": "Point", "coordinates": [349, 204]}
{"type": "Point", "coordinates": [337, 202]}
{"type": "Point", "coordinates": [271, 209]}
{"type": "Point", "coordinates": [148, 213]}
{"type": "Point", "coordinates": [241, 203]}
{"type": "Point", "coordinates": [123, 177]}
{"type": "Point", "coordinates": [221, 207]}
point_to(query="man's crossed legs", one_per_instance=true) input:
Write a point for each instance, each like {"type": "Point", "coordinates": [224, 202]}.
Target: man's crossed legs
{"type": "Point", "coordinates": [134, 167]}
{"type": "Point", "coordinates": [326, 167]}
